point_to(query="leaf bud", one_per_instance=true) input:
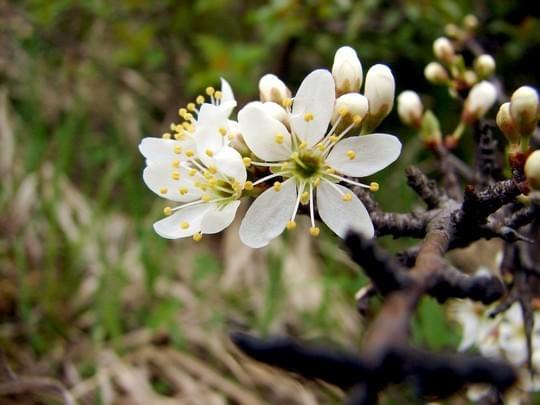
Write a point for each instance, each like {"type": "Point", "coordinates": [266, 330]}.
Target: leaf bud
{"type": "Point", "coordinates": [430, 129]}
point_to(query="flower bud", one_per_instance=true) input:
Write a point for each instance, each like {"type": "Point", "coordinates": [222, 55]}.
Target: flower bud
{"type": "Point", "coordinates": [524, 109]}
{"type": "Point", "coordinates": [470, 78]}
{"type": "Point", "coordinates": [480, 99]}
{"type": "Point", "coordinates": [443, 50]}
{"type": "Point", "coordinates": [410, 108]}
{"type": "Point", "coordinates": [506, 124]}
{"type": "Point", "coordinates": [236, 139]}
{"type": "Point", "coordinates": [379, 90]}
{"type": "Point", "coordinates": [484, 65]}
{"type": "Point", "coordinates": [347, 70]}
{"type": "Point", "coordinates": [532, 170]}
{"type": "Point", "coordinates": [430, 129]}
{"type": "Point", "coordinates": [271, 88]}
{"type": "Point", "coordinates": [349, 107]}
{"type": "Point", "coordinates": [435, 73]}
{"type": "Point", "coordinates": [470, 22]}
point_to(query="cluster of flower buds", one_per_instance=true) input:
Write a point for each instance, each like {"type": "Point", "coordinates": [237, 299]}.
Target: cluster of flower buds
{"type": "Point", "coordinates": [518, 118]}
{"type": "Point", "coordinates": [285, 151]}
{"type": "Point", "coordinates": [500, 337]}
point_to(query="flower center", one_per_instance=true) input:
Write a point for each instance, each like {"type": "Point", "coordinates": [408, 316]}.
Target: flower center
{"type": "Point", "coordinates": [306, 164]}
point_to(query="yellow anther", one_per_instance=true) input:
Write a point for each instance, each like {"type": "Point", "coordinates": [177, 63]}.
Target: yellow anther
{"type": "Point", "coordinates": [330, 170]}
{"type": "Point", "coordinates": [303, 145]}
{"type": "Point", "coordinates": [190, 153]}
{"type": "Point", "coordinates": [317, 181]}
{"type": "Point", "coordinates": [287, 102]}
{"type": "Point", "coordinates": [172, 126]}
{"type": "Point", "coordinates": [248, 185]}
{"type": "Point", "coordinates": [222, 131]}
{"type": "Point", "coordinates": [179, 135]}
{"type": "Point", "coordinates": [291, 225]}
{"type": "Point", "coordinates": [333, 138]}
{"type": "Point", "coordinates": [186, 126]}
{"type": "Point", "coordinates": [212, 181]}
{"type": "Point", "coordinates": [184, 225]}
{"type": "Point", "coordinates": [304, 198]}
{"type": "Point", "coordinates": [163, 190]}
{"type": "Point", "coordinates": [183, 190]}
{"type": "Point", "coordinates": [374, 186]}
{"type": "Point", "coordinates": [247, 161]}
{"type": "Point", "coordinates": [285, 165]}
{"type": "Point", "coordinates": [236, 186]}
{"type": "Point", "coordinates": [343, 111]}
{"type": "Point", "coordinates": [294, 155]}
{"type": "Point", "coordinates": [166, 135]}
{"type": "Point", "coordinates": [208, 152]}
{"type": "Point", "coordinates": [230, 137]}
{"type": "Point", "coordinates": [177, 150]}
{"type": "Point", "coordinates": [314, 231]}
{"type": "Point", "coordinates": [277, 186]}
{"type": "Point", "coordinates": [197, 236]}
{"type": "Point", "coordinates": [351, 154]}
{"type": "Point", "coordinates": [199, 99]}
{"type": "Point", "coordinates": [210, 91]}
{"type": "Point", "coordinates": [357, 119]}
{"type": "Point", "coordinates": [176, 164]}
{"type": "Point", "coordinates": [192, 172]}
{"type": "Point", "coordinates": [346, 197]}
{"type": "Point", "coordinates": [175, 175]}
{"type": "Point", "coordinates": [218, 95]}
{"type": "Point", "coordinates": [179, 128]}
{"type": "Point", "coordinates": [212, 169]}
{"type": "Point", "coordinates": [167, 210]}
{"type": "Point", "coordinates": [191, 106]}
{"type": "Point", "coordinates": [189, 116]}
{"type": "Point", "coordinates": [205, 198]}
{"type": "Point", "coordinates": [182, 111]}
{"type": "Point", "coordinates": [321, 147]}
{"type": "Point", "coordinates": [279, 139]}
{"type": "Point", "coordinates": [308, 117]}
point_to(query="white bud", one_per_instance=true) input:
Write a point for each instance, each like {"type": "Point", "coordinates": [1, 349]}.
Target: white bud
{"type": "Point", "coordinates": [347, 70]}
{"type": "Point", "coordinates": [480, 99]}
{"type": "Point", "coordinates": [470, 78]}
{"type": "Point", "coordinates": [435, 73]}
{"type": "Point", "coordinates": [380, 88]}
{"type": "Point", "coordinates": [484, 65]}
{"type": "Point", "coordinates": [443, 49]}
{"type": "Point", "coordinates": [271, 88]}
{"type": "Point", "coordinates": [350, 105]}
{"type": "Point", "coordinates": [524, 109]}
{"type": "Point", "coordinates": [276, 111]}
{"type": "Point", "coordinates": [532, 170]}
{"type": "Point", "coordinates": [236, 139]}
{"type": "Point", "coordinates": [470, 22]}
{"type": "Point", "coordinates": [410, 108]}
{"type": "Point", "coordinates": [506, 124]}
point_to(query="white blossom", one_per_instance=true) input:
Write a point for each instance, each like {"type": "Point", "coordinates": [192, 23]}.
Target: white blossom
{"type": "Point", "coordinates": [312, 159]}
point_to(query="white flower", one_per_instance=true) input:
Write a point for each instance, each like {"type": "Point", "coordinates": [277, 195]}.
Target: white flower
{"type": "Point", "coordinates": [197, 168]}
{"type": "Point", "coordinates": [347, 70]}
{"type": "Point", "coordinates": [271, 88]}
{"type": "Point", "coordinates": [312, 159]}
{"type": "Point", "coordinates": [484, 65]}
{"type": "Point", "coordinates": [436, 73]}
{"type": "Point", "coordinates": [480, 99]}
{"type": "Point", "coordinates": [410, 108]}
{"type": "Point", "coordinates": [443, 49]}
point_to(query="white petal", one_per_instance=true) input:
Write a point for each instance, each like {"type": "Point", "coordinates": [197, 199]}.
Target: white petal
{"type": "Point", "coordinates": [159, 150]}
{"type": "Point", "coordinates": [260, 129]}
{"type": "Point", "coordinates": [227, 94]}
{"type": "Point", "coordinates": [229, 162]}
{"type": "Point", "coordinates": [171, 227]}
{"type": "Point", "coordinates": [267, 217]}
{"type": "Point", "coordinates": [342, 216]}
{"type": "Point", "coordinates": [217, 219]}
{"type": "Point", "coordinates": [158, 178]}
{"type": "Point", "coordinates": [316, 95]}
{"type": "Point", "coordinates": [373, 153]}
{"type": "Point", "coordinates": [211, 115]}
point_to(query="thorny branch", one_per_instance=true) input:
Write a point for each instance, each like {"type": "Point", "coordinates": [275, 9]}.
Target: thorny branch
{"type": "Point", "coordinates": [451, 219]}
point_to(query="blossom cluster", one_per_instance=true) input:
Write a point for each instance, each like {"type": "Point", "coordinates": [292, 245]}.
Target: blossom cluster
{"type": "Point", "coordinates": [283, 152]}
{"type": "Point", "coordinates": [501, 337]}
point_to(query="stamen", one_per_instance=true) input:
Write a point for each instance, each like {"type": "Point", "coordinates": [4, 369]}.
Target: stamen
{"type": "Point", "coordinates": [351, 154]}
{"type": "Point", "coordinates": [311, 209]}
{"type": "Point", "coordinates": [175, 175]}
{"type": "Point", "coordinates": [222, 131]}
{"type": "Point", "coordinates": [291, 225]}
{"type": "Point", "coordinates": [277, 186]}
{"type": "Point", "coordinates": [167, 211]}
{"type": "Point", "coordinates": [304, 198]}
{"type": "Point", "coordinates": [346, 197]}
{"type": "Point", "coordinates": [190, 153]}
{"type": "Point", "coordinates": [210, 91]}
{"type": "Point", "coordinates": [314, 231]}
{"type": "Point", "coordinates": [176, 164]}
{"type": "Point", "coordinates": [346, 180]}
{"type": "Point", "coordinates": [296, 157]}
{"type": "Point", "coordinates": [208, 152]}
{"type": "Point", "coordinates": [183, 190]}
{"type": "Point", "coordinates": [163, 190]}
{"type": "Point", "coordinates": [197, 236]}
{"type": "Point", "coordinates": [205, 198]}
{"type": "Point", "coordinates": [270, 176]}
{"type": "Point", "coordinates": [199, 99]}
{"type": "Point", "coordinates": [166, 135]}
{"type": "Point", "coordinates": [192, 172]}
{"type": "Point", "coordinates": [279, 138]}
{"type": "Point", "coordinates": [184, 225]}
{"type": "Point", "coordinates": [298, 198]}
{"type": "Point", "coordinates": [179, 136]}
{"type": "Point", "coordinates": [374, 186]}
{"type": "Point", "coordinates": [191, 107]}
{"type": "Point", "coordinates": [248, 185]}
{"type": "Point", "coordinates": [247, 161]}
{"type": "Point", "coordinates": [287, 102]}
{"type": "Point", "coordinates": [218, 95]}
{"type": "Point", "coordinates": [308, 116]}
{"type": "Point", "coordinates": [182, 112]}
{"type": "Point", "coordinates": [177, 150]}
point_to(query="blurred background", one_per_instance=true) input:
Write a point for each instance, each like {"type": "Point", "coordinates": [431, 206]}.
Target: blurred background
{"type": "Point", "coordinates": [95, 307]}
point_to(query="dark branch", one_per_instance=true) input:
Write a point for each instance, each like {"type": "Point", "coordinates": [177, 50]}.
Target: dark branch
{"type": "Point", "coordinates": [427, 189]}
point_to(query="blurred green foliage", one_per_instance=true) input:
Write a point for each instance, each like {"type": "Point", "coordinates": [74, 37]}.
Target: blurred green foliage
{"type": "Point", "coordinates": [86, 80]}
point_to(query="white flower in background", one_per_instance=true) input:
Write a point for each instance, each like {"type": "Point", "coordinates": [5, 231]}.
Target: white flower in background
{"type": "Point", "coordinates": [484, 65]}
{"type": "Point", "coordinates": [410, 108]}
{"type": "Point", "coordinates": [347, 70]}
{"type": "Point", "coordinates": [480, 99]}
{"type": "Point", "coordinates": [312, 159]}
{"type": "Point", "coordinates": [436, 73]}
{"type": "Point", "coordinates": [524, 109]}
{"type": "Point", "coordinates": [380, 92]}
{"type": "Point", "coordinates": [197, 168]}
{"type": "Point", "coordinates": [443, 50]}
{"type": "Point", "coordinates": [271, 88]}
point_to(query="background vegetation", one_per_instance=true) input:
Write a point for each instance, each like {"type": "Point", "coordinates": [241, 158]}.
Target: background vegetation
{"type": "Point", "coordinates": [90, 297]}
